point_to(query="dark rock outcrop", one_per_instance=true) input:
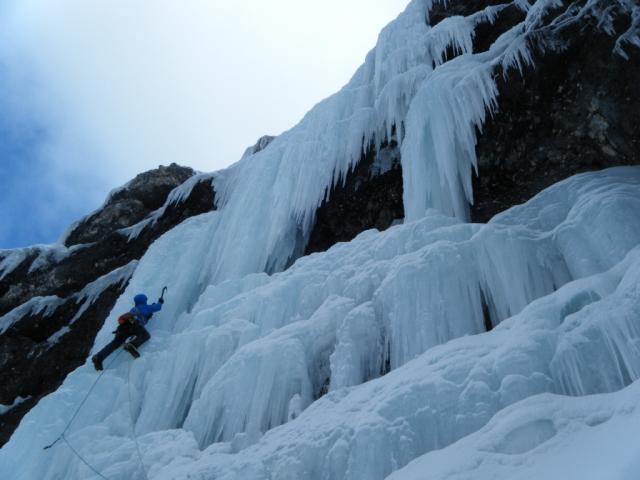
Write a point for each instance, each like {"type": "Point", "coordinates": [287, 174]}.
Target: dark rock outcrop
{"type": "Point", "coordinates": [40, 348]}
{"type": "Point", "coordinates": [129, 204]}
{"type": "Point", "coordinates": [450, 8]}
{"type": "Point", "coordinates": [262, 143]}
{"type": "Point", "coordinates": [369, 197]}
{"type": "Point", "coordinates": [576, 111]}
{"type": "Point", "coordinates": [85, 263]}
{"type": "Point", "coordinates": [31, 366]}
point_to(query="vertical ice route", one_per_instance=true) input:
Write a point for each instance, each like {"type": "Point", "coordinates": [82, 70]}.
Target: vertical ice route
{"type": "Point", "coordinates": [225, 316]}
{"type": "Point", "coordinates": [256, 352]}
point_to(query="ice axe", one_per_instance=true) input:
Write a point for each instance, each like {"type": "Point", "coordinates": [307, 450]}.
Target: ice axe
{"type": "Point", "coordinates": [164, 289]}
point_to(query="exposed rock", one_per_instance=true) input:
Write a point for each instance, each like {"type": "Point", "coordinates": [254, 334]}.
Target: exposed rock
{"type": "Point", "coordinates": [31, 367]}
{"type": "Point", "coordinates": [129, 204]}
{"type": "Point", "coordinates": [262, 143]}
{"type": "Point", "coordinates": [85, 264]}
{"type": "Point", "coordinates": [370, 197]}
{"type": "Point", "coordinates": [450, 8]}
{"type": "Point", "coordinates": [576, 111]}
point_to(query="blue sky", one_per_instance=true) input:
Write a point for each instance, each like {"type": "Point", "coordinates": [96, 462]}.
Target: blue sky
{"type": "Point", "coordinates": [92, 93]}
{"type": "Point", "coordinates": [27, 194]}
{"type": "Point", "coordinates": [18, 144]}
{"type": "Point", "coordinates": [37, 200]}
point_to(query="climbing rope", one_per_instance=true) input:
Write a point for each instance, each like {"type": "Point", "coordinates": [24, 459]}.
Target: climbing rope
{"type": "Point", "coordinates": [133, 423]}
{"type": "Point", "coordinates": [73, 417]}
{"type": "Point", "coordinates": [75, 414]}
{"type": "Point", "coordinates": [133, 420]}
{"type": "Point", "coordinates": [82, 459]}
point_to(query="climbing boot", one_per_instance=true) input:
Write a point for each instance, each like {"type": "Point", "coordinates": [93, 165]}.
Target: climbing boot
{"type": "Point", "coordinates": [131, 348]}
{"type": "Point", "coordinates": [97, 362]}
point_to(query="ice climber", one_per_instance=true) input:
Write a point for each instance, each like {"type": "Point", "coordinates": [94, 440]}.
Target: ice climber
{"type": "Point", "coordinates": [131, 324]}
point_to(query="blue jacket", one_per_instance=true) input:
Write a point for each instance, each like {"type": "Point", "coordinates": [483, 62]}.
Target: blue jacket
{"type": "Point", "coordinates": [143, 312]}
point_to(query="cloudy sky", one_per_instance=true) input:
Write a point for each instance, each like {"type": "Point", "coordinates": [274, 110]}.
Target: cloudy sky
{"type": "Point", "coordinates": [94, 91]}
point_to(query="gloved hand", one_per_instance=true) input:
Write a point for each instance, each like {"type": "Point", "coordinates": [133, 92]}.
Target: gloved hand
{"type": "Point", "coordinates": [161, 300]}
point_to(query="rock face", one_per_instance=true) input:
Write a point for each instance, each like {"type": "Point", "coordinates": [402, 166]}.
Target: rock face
{"type": "Point", "coordinates": [370, 197]}
{"type": "Point", "coordinates": [42, 345]}
{"type": "Point", "coordinates": [262, 143]}
{"type": "Point", "coordinates": [129, 204]}
{"type": "Point", "coordinates": [577, 110]}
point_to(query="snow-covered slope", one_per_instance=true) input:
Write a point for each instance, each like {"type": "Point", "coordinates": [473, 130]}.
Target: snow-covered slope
{"type": "Point", "coordinates": [354, 362]}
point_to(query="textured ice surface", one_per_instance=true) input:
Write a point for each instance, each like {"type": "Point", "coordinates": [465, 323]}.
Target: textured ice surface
{"type": "Point", "coordinates": [547, 436]}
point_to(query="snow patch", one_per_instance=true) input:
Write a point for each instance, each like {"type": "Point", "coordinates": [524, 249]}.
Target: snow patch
{"type": "Point", "coordinates": [38, 306]}
{"type": "Point", "coordinates": [6, 408]}
{"type": "Point", "coordinates": [176, 196]}
{"type": "Point", "coordinates": [42, 255]}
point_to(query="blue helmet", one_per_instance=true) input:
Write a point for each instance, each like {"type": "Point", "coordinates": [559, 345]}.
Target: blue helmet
{"type": "Point", "coordinates": [140, 299]}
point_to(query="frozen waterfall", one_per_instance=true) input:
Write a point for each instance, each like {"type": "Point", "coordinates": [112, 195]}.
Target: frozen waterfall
{"type": "Point", "coordinates": [400, 351]}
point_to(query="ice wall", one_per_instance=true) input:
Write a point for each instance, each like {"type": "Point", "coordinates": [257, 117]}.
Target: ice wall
{"type": "Point", "coordinates": [257, 352]}
{"type": "Point", "coordinates": [450, 392]}
{"type": "Point", "coordinates": [549, 436]}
